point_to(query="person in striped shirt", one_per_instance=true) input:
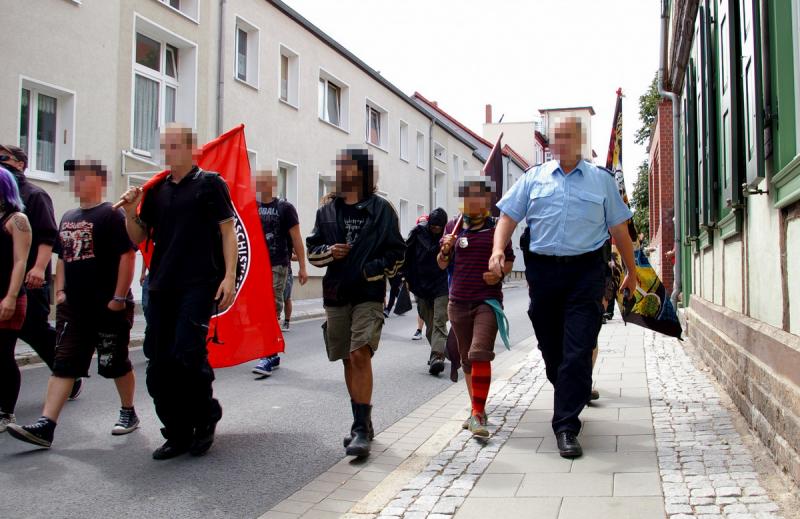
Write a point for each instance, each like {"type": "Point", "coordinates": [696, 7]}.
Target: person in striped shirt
{"type": "Point", "coordinates": [476, 295]}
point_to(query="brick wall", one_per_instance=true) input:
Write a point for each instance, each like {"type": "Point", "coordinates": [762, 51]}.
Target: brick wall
{"type": "Point", "coordinates": [662, 238]}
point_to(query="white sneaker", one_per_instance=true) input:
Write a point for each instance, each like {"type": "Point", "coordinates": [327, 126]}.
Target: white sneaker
{"type": "Point", "coordinates": [285, 327]}
{"type": "Point", "coordinates": [6, 419]}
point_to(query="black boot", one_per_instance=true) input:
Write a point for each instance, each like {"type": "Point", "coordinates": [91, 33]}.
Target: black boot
{"type": "Point", "coordinates": [347, 439]}
{"type": "Point", "coordinates": [359, 445]}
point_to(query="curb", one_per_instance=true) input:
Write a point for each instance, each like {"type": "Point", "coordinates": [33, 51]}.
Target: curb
{"type": "Point", "coordinates": [32, 359]}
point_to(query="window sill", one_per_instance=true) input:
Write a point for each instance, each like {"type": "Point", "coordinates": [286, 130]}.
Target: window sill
{"type": "Point", "coordinates": [440, 160]}
{"type": "Point", "coordinates": [421, 168]}
{"type": "Point", "coordinates": [334, 126]}
{"type": "Point", "coordinates": [373, 145]}
{"type": "Point", "coordinates": [246, 83]}
{"type": "Point", "coordinates": [704, 241]}
{"type": "Point", "coordinates": [196, 21]}
{"type": "Point", "coordinates": [141, 156]}
{"type": "Point", "coordinates": [730, 225]}
{"type": "Point", "coordinates": [43, 176]}
{"type": "Point", "coordinates": [405, 160]}
{"type": "Point", "coordinates": [287, 103]}
{"type": "Point", "coordinates": [786, 184]}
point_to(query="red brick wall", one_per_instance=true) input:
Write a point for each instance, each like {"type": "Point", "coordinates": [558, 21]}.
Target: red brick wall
{"type": "Point", "coordinates": [661, 194]}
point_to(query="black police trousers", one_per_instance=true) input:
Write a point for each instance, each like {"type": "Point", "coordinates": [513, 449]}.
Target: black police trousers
{"type": "Point", "coordinates": [179, 376]}
{"type": "Point", "coordinates": [566, 311]}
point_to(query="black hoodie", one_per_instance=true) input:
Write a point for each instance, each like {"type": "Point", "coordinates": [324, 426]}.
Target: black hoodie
{"type": "Point", "coordinates": [425, 279]}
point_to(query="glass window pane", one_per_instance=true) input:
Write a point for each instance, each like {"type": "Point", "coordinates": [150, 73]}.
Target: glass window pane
{"type": "Point", "coordinates": [175, 3]}
{"type": "Point", "coordinates": [148, 52]}
{"type": "Point", "coordinates": [171, 65]}
{"type": "Point", "coordinates": [145, 114]}
{"type": "Point", "coordinates": [46, 134]}
{"type": "Point", "coordinates": [284, 77]}
{"type": "Point", "coordinates": [169, 105]}
{"type": "Point", "coordinates": [24, 119]}
{"type": "Point", "coordinates": [333, 104]}
{"type": "Point", "coordinates": [374, 126]}
{"type": "Point", "coordinates": [283, 175]}
{"type": "Point", "coordinates": [241, 55]}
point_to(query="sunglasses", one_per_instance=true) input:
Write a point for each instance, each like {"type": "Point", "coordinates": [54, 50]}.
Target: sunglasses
{"type": "Point", "coordinates": [4, 158]}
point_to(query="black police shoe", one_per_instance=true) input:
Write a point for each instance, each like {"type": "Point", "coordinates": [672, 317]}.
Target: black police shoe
{"type": "Point", "coordinates": [171, 449]}
{"type": "Point", "coordinates": [568, 445]}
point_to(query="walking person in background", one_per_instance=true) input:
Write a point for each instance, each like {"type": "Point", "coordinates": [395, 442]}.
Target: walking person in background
{"type": "Point", "coordinates": [281, 229]}
{"type": "Point", "coordinates": [96, 260]}
{"type": "Point", "coordinates": [570, 207]}
{"type": "Point", "coordinates": [428, 283]}
{"type": "Point", "coordinates": [395, 284]}
{"type": "Point", "coordinates": [37, 330]}
{"type": "Point", "coordinates": [15, 243]}
{"type": "Point", "coordinates": [287, 293]}
{"type": "Point", "coordinates": [357, 238]}
{"type": "Point", "coordinates": [476, 294]}
{"type": "Point", "coordinates": [190, 218]}
{"type": "Point", "coordinates": [420, 321]}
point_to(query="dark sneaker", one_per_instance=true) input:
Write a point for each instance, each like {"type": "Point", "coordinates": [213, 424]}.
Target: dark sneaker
{"type": "Point", "coordinates": [286, 326]}
{"type": "Point", "coordinates": [594, 395]}
{"type": "Point", "coordinates": [568, 445]}
{"type": "Point", "coordinates": [170, 449]}
{"type": "Point", "coordinates": [127, 423]}
{"type": "Point", "coordinates": [417, 336]}
{"type": "Point", "coordinates": [436, 364]}
{"type": "Point", "coordinates": [6, 419]}
{"type": "Point", "coordinates": [204, 436]}
{"type": "Point", "coordinates": [77, 387]}
{"type": "Point", "coordinates": [264, 367]}
{"type": "Point", "coordinates": [276, 361]}
{"type": "Point", "coordinates": [39, 433]}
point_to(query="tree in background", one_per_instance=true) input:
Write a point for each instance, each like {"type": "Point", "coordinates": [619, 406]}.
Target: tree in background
{"type": "Point", "coordinates": [640, 199]}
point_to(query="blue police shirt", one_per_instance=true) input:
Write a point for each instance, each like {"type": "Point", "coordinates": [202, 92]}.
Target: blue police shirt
{"type": "Point", "coordinates": [567, 214]}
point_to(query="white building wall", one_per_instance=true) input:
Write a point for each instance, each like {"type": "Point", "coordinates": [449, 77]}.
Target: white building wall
{"type": "Point", "coordinates": [518, 135]}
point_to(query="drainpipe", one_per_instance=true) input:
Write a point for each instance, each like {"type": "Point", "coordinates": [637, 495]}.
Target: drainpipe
{"type": "Point", "coordinates": [676, 119]}
{"type": "Point", "coordinates": [221, 66]}
{"type": "Point", "coordinates": [431, 176]}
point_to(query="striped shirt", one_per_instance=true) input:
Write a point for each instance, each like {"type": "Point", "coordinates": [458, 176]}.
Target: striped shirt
{"type": "Point", "coordinates": [471, 254]}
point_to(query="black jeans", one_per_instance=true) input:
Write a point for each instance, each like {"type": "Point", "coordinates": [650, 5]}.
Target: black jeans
{"type": "Point", "coordinates": [566, 312]}
{"type": "Point", "coordinates": [9, 372]}
{"type": "Point", "coordinates": [37, 330]}
{"type": "Point", "coordinates": [179, 376]}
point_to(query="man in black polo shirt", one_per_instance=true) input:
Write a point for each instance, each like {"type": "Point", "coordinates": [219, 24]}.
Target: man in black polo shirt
{"type": "Point", "coordinates": [190, 218]}
{"type": "Point", "coordinates": [37, 330]}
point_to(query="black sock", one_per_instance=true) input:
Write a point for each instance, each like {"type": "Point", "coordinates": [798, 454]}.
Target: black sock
{"type": "Point", "coordinates": [49, 424]}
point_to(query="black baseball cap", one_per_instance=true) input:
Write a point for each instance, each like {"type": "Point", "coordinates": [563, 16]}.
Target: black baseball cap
{"type": "Point", "coordinates": [86, 165]}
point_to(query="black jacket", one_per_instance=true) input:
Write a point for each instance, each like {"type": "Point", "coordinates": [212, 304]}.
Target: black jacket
{"type": "Point", "coordinates": [425, 279]}
{"type": "Point", "coordinates": [39, 210]}
{"type": "Point", "coordinates": [376, 254]}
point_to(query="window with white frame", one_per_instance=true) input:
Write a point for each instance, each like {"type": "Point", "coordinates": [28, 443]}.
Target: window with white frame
{"type": "Point", "coordinates": [439, 188]}
{"type": "Point", "coordinates": [185, 7]}
{"type": "Point", "coordinates": [287, 181]}
{"type": "Point", "coordinates": [252, 158]}
{"type": "Point", "coordinates": [403, 216]}
{"type": "Point", "coordinates": [165, 74]}
{"type": "Point", "coordinates": [333, 101]}
{"type": "Point", "coordinates": [439, 152]}
{"type": "Point", "coordinates": [420, 210]}
{"type": "Point", "coordinates": [46, 124]}
{"type": "Point", "coordinates": [325, 185]}
{"type": "Point", "coordinates": [420, 150]}
{"type": "Point", "coordinates": [289, 76]}
{"type": "Point", "coordinates": [404, 140]}
{"type": "Point", "coordinates": [376, 125]}
{"type": "Point", "coordinates": [246, 62]}
{"type": "Point", "coordinates": [456, 166]}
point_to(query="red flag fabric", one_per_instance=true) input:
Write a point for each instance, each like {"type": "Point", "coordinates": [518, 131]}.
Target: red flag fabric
{"type": "Point", "coordinates": [494, 170]}
{"type": "Point", "coordinates": [249, 329]}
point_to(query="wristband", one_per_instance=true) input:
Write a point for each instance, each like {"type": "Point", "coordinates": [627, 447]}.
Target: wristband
{"type": "Point", "coordinates": [60, 291]}
{"type": "Point", "coordinates": [120, 299]}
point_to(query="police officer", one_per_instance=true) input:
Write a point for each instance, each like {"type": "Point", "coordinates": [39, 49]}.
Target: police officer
{"type": "Point", "coordinates": [570, 206]}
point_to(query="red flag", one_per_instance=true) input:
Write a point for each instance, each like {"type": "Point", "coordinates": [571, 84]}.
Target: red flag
{"type": "Point", "coordinates": [494, 170]}
{"type": "Point", "coordinates": [248, 330]}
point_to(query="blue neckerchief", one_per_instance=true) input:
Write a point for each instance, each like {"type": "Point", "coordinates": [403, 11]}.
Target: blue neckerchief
{"type": "Point", "coordinates": [503, 326]}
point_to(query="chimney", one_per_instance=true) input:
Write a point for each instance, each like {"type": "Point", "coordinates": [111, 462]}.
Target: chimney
{"type": "Point", "coordinates": [488, 114]}
{"type": "Point", "coordinates": [435, 103]}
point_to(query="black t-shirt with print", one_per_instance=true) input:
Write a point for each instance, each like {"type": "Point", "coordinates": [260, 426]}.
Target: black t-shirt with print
{"type": "Point", "coordinates": [353, 219]}
{"type": "Point", "coordinates": [90, 242]}
{"type": "Point", "coordinates": [277, 218]}
{"type": "Point", "coordinates": [184, 218]}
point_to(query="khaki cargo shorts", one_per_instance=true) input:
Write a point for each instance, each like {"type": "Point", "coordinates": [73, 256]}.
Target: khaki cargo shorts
{"type": "Point", "coordinates": [350, 327]}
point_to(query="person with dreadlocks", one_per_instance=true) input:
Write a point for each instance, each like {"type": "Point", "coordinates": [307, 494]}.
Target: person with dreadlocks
{"type": "Point", "coordinates": [356, 237]}
{"type": "Point", "coordinates": [476, 294]}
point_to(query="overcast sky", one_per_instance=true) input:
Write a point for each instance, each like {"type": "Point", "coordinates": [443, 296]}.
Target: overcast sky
{"type": "Point", "coordinates": [518, 55]}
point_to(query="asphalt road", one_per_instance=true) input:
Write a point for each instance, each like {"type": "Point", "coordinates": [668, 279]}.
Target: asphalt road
{"type": "Point", "coordinates": [275, 436]}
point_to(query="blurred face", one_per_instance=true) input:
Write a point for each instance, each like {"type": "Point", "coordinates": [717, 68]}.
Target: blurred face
{"type": "Point", "coordinates": [567, 140]}
{"type": "Point", "coordinates": [348, 178]}
{"type": "Point", "coordinates": [436, 229]}
{"type": "Point", "coordinates": [86, 184]}
{"type": "Point", "coordinates": [178, 145]}
{"type": "Point", "coordinates": [266, 184]}
{"type": "Point", "coordinates": [10, 160]}
{"type": "Point", "coordinates": [476, 201]}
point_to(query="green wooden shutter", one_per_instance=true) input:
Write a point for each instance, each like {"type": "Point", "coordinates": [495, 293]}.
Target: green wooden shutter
{"type": "Point", "coordinates": [752, 90]}
{"type": "Point", "coordinates": [690, 152]}
{"type": "Point", "coordinates": [728, 66]}
{"type": "Point", "coordinates": [707, 128]}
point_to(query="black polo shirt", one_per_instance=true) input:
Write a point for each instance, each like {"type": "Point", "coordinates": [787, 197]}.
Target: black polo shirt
{"type": "Point", "coordinates": [184, 218]}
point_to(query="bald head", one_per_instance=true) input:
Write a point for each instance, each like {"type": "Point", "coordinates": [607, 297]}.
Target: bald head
{"type": "Point", "coordinates": [568, 140]}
